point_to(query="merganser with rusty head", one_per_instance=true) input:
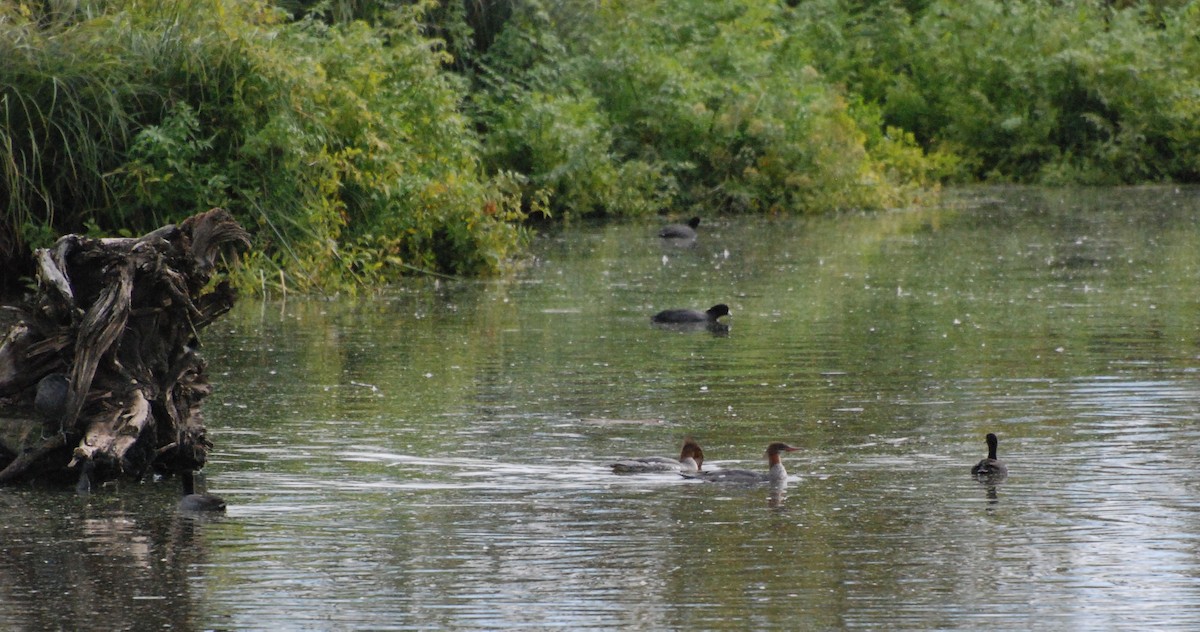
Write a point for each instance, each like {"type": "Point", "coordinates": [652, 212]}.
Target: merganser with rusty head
{"type": "Point", "coordinates": [991, 468]}
{"type": "Point", "coordinates": [776, 475]}
{"type": "Point", "coordinates": [691, 459]}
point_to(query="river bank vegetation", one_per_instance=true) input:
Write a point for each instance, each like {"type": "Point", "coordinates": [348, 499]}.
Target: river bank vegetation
{"type": "Point", "coordinates": [361, 141]}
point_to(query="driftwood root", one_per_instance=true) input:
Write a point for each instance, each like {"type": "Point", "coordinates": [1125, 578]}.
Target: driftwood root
{"type": "Point", "coordinates": [117, 321]}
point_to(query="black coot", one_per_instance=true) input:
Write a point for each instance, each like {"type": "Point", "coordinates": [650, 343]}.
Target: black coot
{"type": "Point", "coordinates": [51, 401]}
{"type": "Point", "coordinates": [680, 231]}
{"type": "Point", "coordinates": [192, 501]}
{"type": "Point", "coordinates": [681, 316]}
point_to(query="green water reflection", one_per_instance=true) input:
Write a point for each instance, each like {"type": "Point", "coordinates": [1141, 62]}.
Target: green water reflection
{"type": "Point", "coordinates": [434, 457]}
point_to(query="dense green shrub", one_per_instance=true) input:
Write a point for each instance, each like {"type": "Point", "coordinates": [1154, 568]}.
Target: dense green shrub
{"type": "Point", "coordinates": [342, 146]}
{"type": "Point", "coordinates": [1044, 91]}
{"type": "Point", "coordinates": [680, 103]}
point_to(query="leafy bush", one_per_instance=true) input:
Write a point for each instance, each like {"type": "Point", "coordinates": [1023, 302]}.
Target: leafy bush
{"type": "Point", "coordinates": [1039, 91]}
{"type": "Point", "coordinates": [714, 104]}
{"type": "Point", "coordinates": [343, 145]}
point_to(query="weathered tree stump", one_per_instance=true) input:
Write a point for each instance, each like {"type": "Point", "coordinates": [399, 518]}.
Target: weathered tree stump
{"type": "Point", "coordinates": [102, 372]}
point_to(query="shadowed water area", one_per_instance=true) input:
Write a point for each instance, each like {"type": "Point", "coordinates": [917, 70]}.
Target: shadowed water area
{"type": "Point", "coordinates": [435, 458]}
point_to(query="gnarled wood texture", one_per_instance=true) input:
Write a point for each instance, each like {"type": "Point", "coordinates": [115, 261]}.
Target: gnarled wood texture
{"type": "Point", "coordinates": [120, 318]}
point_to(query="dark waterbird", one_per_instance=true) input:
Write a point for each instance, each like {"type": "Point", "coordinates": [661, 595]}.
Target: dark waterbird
{"type": "Point", "coordinates": [87, 470]}
{"type": "Point", "coordinates": [990, 468]}
{"type": "Point", "coordinates": [686, 316]}
{"type": "Point", "coordinates": [680, 231]}
{"type": "Point", "coordinates": [50, 402]}
{"type": "Point", "coordinates": [192, 501]}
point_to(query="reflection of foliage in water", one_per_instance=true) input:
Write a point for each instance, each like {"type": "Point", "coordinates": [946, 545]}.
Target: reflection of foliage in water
{"type": "Point", "coordinates": [999, 284]}
{"type": "Point", "coordinates": [882, 345]}
{"type": "Point", "coordinates": [113, 560]}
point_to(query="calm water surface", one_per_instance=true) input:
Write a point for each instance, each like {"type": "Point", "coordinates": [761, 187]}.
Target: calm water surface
{"type": "Point", "coordinates": [435, 458]}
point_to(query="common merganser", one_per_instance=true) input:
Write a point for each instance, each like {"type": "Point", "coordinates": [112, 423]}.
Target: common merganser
{"type": "Point", "coordinates": [990, 468]}
{"type": "Point", "coordinates": [691, 458]}
{"type": "Point", "coordinates": [192, 501]}
{"type": "Point", "coordinates": [678, 316]}
{"type": "Point", "coordinates": [775, 476]}
{"type": "Point", "coordinates": [680, 231]}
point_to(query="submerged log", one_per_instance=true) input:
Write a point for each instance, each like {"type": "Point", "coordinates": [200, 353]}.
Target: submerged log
{"type": "Point", "coordinates": [102, 372]}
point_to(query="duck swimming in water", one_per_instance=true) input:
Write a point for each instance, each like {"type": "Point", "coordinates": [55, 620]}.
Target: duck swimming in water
{"type": "Point", "coordinates": [685, 316]}
{"type": "Point", "coordinates": [691, 459]}
{"type": "Point", "coordinates": [776, 475]}
{"type": "Point", "coordinates": [680, 231]}
{"type": "Point", "coordinates": [991, 468]}
{"type": "Point", "coordinates": [192, 501]}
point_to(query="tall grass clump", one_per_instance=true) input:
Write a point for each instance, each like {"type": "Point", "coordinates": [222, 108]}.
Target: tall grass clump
{"type": "Point", "coordinates": [68, 108]}
{"type": "Point", "coordinates": [341, 145]}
